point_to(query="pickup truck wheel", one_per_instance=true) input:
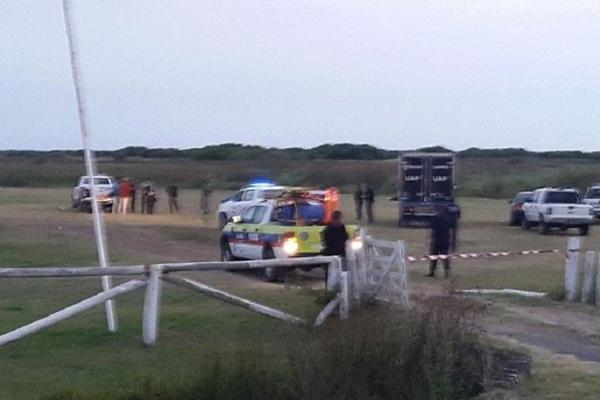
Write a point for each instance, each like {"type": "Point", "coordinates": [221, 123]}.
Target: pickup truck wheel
{"type": "Point", "coordinates": [226, 254]}
{"type": "Point", "coordinates": [525, 225]}
{"type": "Point", "coordinates": [544, 227]}
{"type": "Point", "coordinates": [222, 220]}
{"type": "Point", "coordinates": [270, 273]}
{"type": "Point", "coordinates": [584, 230]}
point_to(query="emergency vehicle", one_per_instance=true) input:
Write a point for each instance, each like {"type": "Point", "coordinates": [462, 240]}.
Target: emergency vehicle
{"type": "Point", "coordinates": [289, 226]}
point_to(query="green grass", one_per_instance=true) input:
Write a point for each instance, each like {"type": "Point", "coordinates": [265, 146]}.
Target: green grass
{"type": "Point", "coordinates": [194, 331]}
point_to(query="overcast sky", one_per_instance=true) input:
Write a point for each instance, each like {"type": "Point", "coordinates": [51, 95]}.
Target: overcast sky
{"type": "Point", "coordinates": [397, 74]}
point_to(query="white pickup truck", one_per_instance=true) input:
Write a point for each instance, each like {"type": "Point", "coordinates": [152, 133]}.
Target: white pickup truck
{"type": "Point", "coordinates": [81, 198]}
{"type": "Point", "coordinates": [557, 208]}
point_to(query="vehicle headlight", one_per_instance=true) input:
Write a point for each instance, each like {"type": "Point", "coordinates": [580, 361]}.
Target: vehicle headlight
{"type": "Point", "coordinates": [290, 245]}
{"type": "Point", "coordinates": [356, 244]}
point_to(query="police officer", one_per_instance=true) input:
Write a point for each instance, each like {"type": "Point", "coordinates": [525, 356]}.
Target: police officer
{"type": "Point", "coordinates": [334, 240]}
{"type": "Point", "coordinates": [358, 202]}
{"type": "Point", "coordinates": [369, 200]}
{"type": "Point", "coordinates": [443, 238]}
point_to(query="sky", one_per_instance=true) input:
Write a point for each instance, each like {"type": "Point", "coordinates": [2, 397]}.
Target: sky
{"type": "Point", "coordinates": [394, 74]}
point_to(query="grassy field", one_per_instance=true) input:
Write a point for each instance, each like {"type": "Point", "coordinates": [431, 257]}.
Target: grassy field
{"type": "Point", "coordinates": [78, 354]}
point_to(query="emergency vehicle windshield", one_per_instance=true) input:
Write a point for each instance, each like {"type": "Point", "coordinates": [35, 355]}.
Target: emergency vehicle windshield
{"type": "Point", "coordinates": [301, 213]}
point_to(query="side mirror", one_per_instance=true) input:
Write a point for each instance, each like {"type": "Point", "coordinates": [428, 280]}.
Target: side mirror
{"type": "Point", "coordinates": [236, 219]}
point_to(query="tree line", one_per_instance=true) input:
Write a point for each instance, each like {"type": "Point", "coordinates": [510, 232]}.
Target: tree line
{"type": "Point", "coordinates": [338, 151]}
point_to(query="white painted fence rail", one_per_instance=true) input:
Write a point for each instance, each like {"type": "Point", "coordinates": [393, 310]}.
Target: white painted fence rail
{"type": "Point", "coordinates": [154, 275]}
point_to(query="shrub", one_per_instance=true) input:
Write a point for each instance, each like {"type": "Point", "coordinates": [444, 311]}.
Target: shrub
{"type": "Point", "coordinates": [378, 354]}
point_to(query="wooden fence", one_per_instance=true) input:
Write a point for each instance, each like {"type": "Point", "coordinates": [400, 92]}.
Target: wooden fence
{"type": "Point", "coordinates": [586, 290]}
{"type": "Point", "coordinates": [152, 276]}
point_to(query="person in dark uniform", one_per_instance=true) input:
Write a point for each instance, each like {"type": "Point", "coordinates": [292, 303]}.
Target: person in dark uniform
{"type": "Point", "coordinates": [173, 203]}
{"type": "Point", "coordinates": [369, 200]}
{"type": "Point", "coordinates": [335, 236]}
{"type": "Point", "coordinates": [334, 240]}
{"type": "Point", "coordinates": [443, 238]}
{"type": "Point", "coordinates": [358, 202]}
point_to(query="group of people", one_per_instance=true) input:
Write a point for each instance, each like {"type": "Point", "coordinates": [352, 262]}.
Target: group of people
{"type": "Point", "coordinates": [364, 195]}
{"type": "Point", "coordinates": [124, 196]}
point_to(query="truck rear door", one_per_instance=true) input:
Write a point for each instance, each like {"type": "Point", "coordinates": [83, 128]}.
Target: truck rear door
{"type": "Point", "coordinates": [412, 174]}
{"type": "Point", "coordinates": [441, 179]}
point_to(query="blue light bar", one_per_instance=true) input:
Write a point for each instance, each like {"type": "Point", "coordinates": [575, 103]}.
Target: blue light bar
{"type": "Point", "coordinates": [261, 182]}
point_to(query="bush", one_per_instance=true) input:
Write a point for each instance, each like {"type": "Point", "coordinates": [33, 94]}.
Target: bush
{"type": "Point", "coordinates": [377, 354]}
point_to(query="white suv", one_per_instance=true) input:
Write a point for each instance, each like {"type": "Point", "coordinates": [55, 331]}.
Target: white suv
{"type": "Point", "coordinates": [81, 197]}
{"type": "Point", "coordinates": [248, 196]}
{"type": "Point", "coordinates": [557, 208]}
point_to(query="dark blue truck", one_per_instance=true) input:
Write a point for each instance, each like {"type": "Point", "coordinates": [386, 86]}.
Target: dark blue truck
{"type": "Point", "coordinates": [426, 181]}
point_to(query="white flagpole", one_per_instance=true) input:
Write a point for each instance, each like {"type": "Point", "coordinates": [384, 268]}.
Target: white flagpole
{"type": "Point", "coordinates": [99, 229]}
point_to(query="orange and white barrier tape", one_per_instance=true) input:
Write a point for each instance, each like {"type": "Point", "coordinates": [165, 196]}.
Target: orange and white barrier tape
{"type": "Point", "coordinates": [491, 254]}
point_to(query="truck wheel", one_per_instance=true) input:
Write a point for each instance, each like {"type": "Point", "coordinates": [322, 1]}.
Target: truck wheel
{"type": "Point", "coordinates": [543, 227]}
{"type": "Point", "coordinates": [270, 273]}
{"type": "Point", "coordinates": [525, 225]}
{"type": "Point", "coordinates": [222, 220]}
{"type": "Point", "coordinates": [584, 230]}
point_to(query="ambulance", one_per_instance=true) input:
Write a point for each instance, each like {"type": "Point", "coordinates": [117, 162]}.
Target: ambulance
{"type": "Point", "coordinates": [289, 226]}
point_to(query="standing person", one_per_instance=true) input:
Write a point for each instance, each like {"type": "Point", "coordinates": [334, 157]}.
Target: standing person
{"type": "Point", "coordinates": [150, 201]}
{"type": "Point", "coordinates": [133, 190]}
{"type": "Point", "coordinates": [443, 238]}
{"type": "Point", "coordinates": [172, 193]}
{"type": "Point", "coordinates": [369, 200]}
{"type": "Point", "coordinates": [358, 202]}
{"type": "Point", "coordinates": [334, 240]}
{"type": "Point", "coordinates": [145, 187]}
{"type": "Point", "coordinates": [125, 193]}
{"type": "Point", "coordinates": [116, 190]}
{"type": "Point", "coordinates": [206, 192]}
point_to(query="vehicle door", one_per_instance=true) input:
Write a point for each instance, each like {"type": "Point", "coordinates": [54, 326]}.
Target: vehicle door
{"type": "Point", "coordinates": [536, 206]}
{"type": "Point", "coordinates": [247, 196]}
{"type": "Point", "coordinates": [75, 191]}
{"type": "Point", "coordinates": [529, 207]}
{"type": "Point", "coordinates": [241, 247]}
{"type": "Point", "coordinates": [232, 205]}
{"type": "Point", "coordinates": [257, 232]}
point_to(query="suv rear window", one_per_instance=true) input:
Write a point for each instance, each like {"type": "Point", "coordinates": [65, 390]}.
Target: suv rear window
{"type": "Point", "coordinates": [562, 198]}
{"type": "Point", "coordinates": [97, 181]}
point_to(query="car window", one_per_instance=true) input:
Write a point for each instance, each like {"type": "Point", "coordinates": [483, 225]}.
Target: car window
{"type": "Point", "coordinates": [248, 195]}
{"type": "Point", "coordinates": [562, 197]}
{"type": "Point", "coordinates": [101, 181]}
{"type": "Point", "coordinates": [593, 193]}
{"type": "Point", "coordinates": [523, 197]}
{"type": "Point", "coordinates": [247, 215]}
{"type": "Point", "coordinates": [85, 181]}
{"type": "Point", "coordinates": [269, 194]}
{"type": "Point", "coordinates": [259, 214]}
{"type": "Point", "coordinates": [237, 196]}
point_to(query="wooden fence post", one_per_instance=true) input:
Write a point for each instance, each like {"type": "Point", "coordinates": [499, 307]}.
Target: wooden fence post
{"type": "Point", "coordinates": [151, 306]}
{"type": "Point", "coordinates": [589, 278]}
{"type": "Point", "coordinates": [345, 295]}
{"type": "Point", "coordinates": [572, 269]}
